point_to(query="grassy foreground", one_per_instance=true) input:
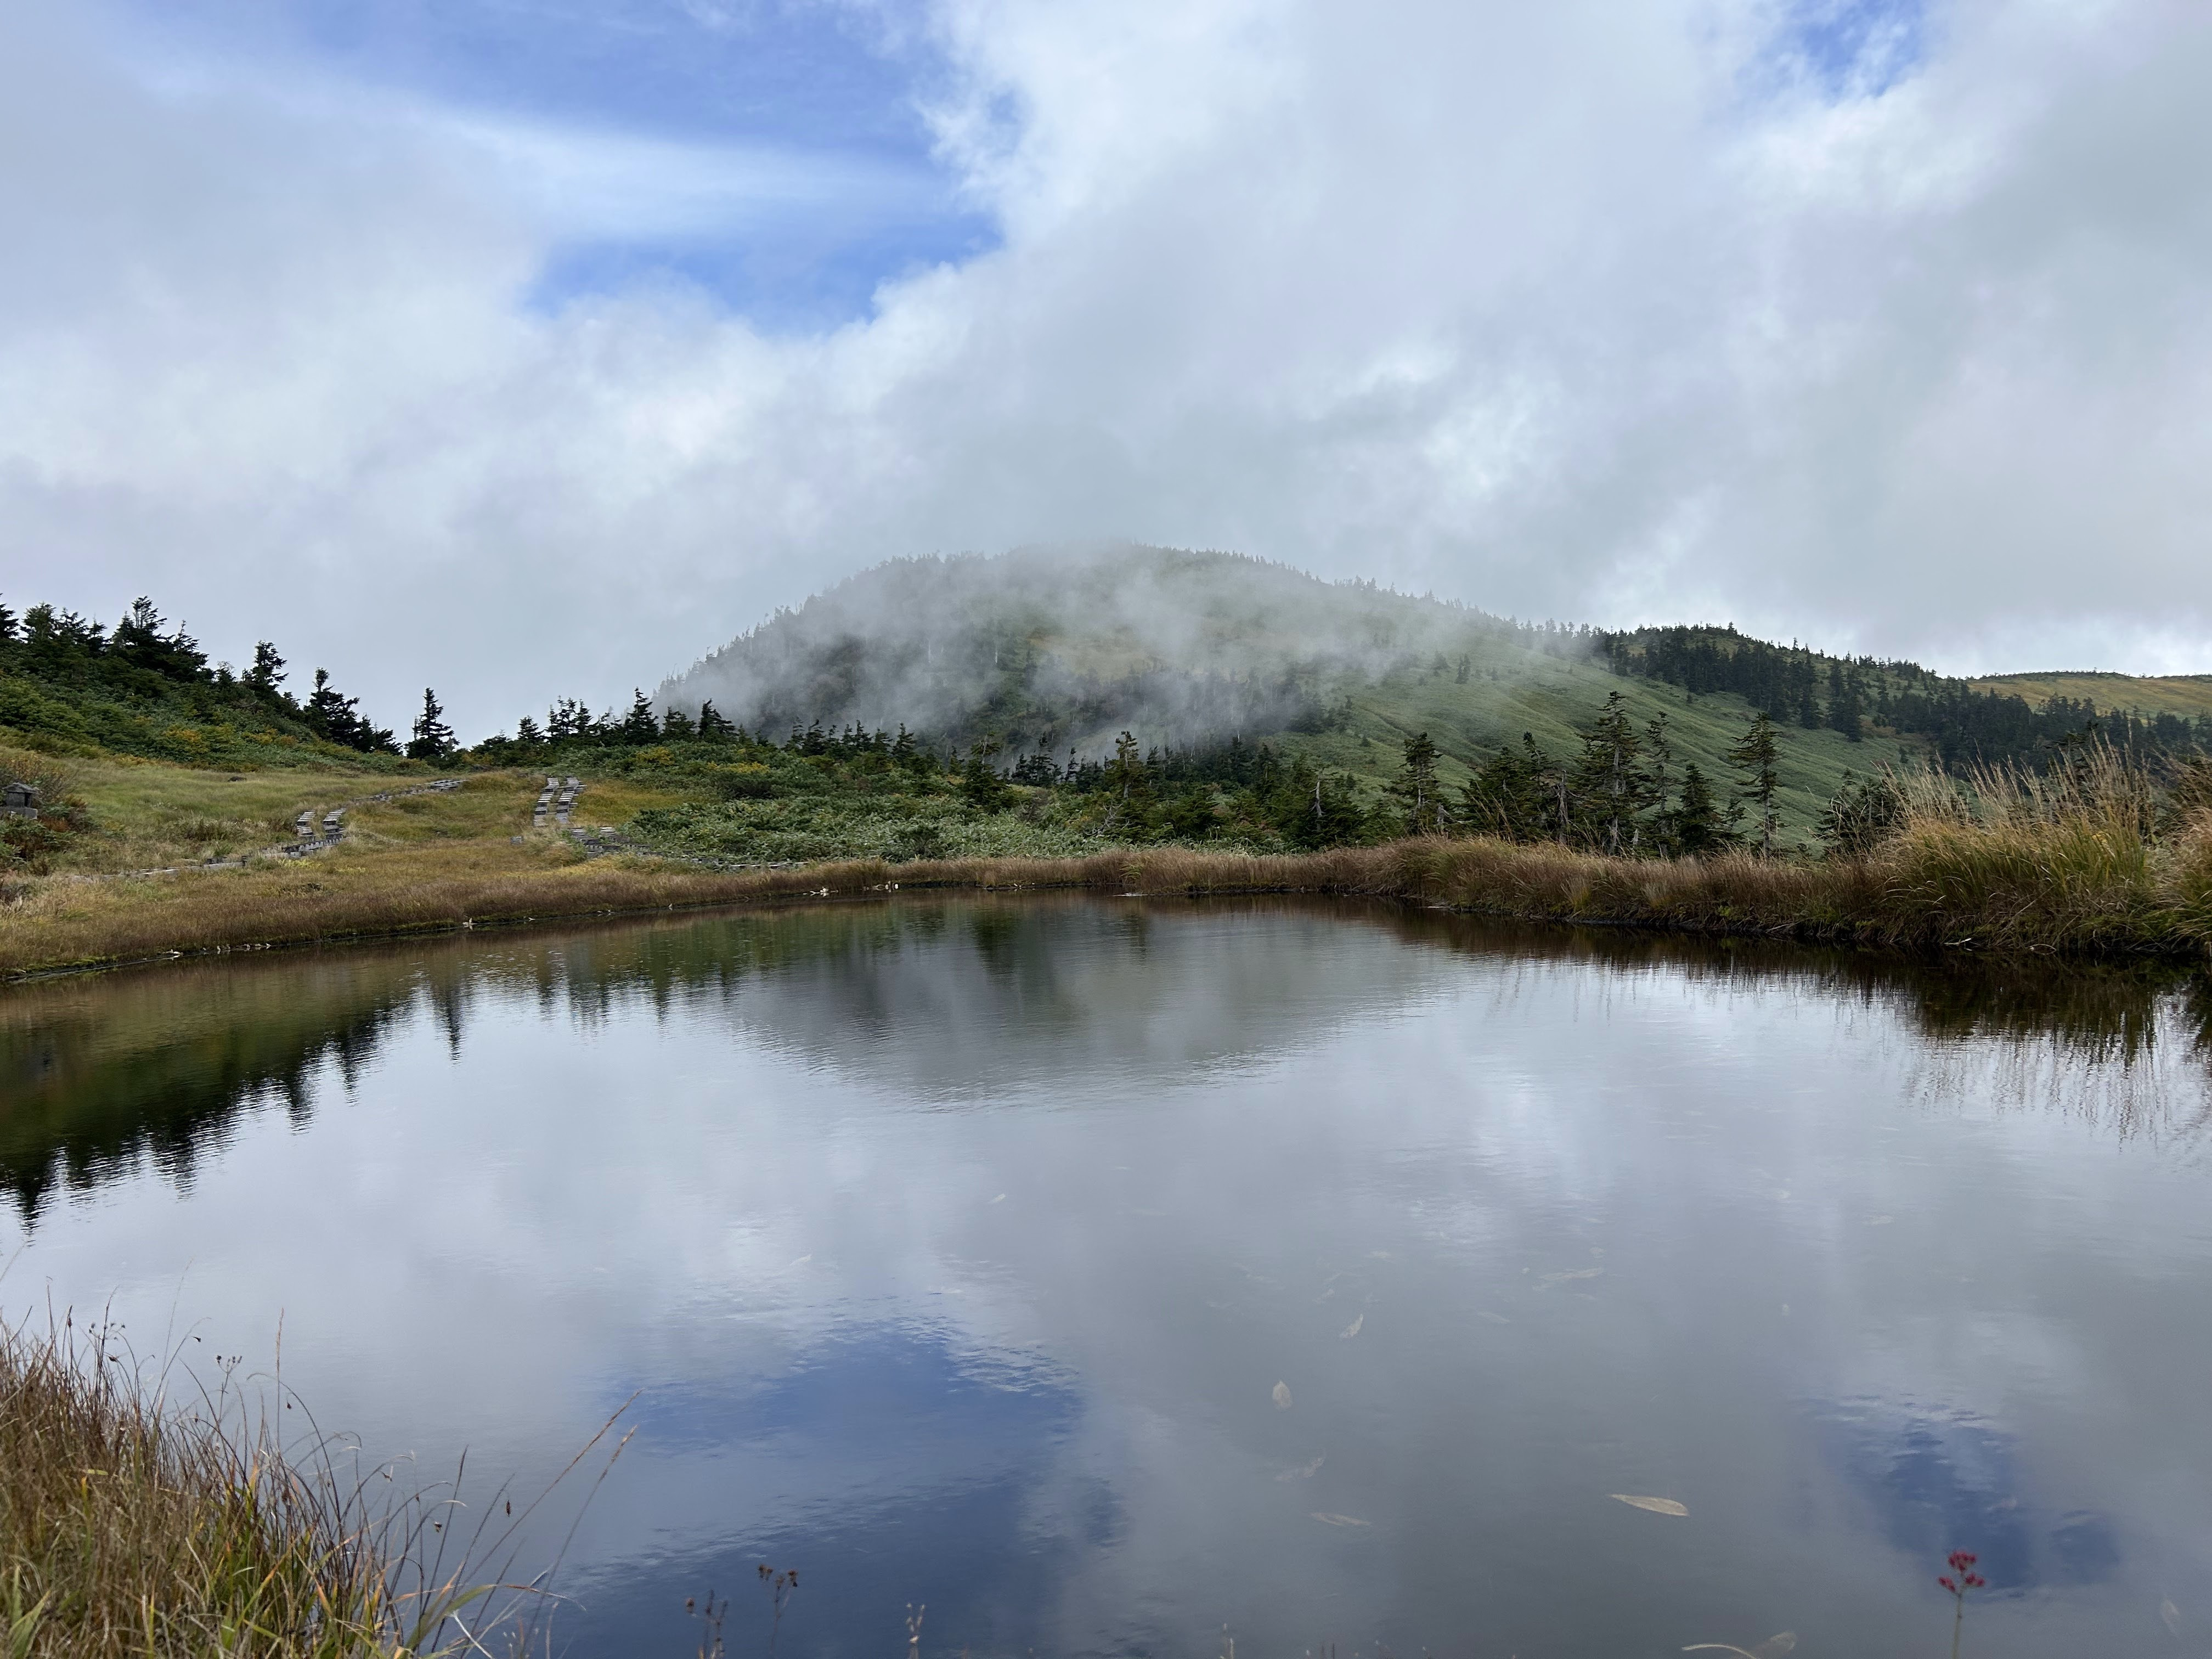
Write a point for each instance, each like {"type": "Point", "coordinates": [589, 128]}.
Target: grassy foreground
{"type": "Point", "coordinates": [130, 1525]}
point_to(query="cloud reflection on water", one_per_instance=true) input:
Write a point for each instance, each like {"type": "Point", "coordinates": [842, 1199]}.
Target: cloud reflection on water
{"type": "Point", "coordinates": [957, 1248]}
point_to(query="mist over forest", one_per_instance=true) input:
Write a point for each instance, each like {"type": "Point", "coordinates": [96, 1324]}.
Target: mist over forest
{"type": "Point", "coordinates": [1049, 648]}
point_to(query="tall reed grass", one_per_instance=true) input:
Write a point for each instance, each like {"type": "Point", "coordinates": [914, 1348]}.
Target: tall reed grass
{"type": "Point", "coordinates": [134, 1523]}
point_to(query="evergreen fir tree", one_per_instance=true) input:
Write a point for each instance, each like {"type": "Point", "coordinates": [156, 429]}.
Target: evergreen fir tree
{"type": "Point", "coordinates": [267, 674]}
{"type": "Point", "coordinates": [1514, 794]}
{"type": "Point", "coordinates": [330, 714]}
{"type": "Point", "coordinates": [1127, 772]}
{"type": "Point", "coordinates": [980, 785]}
{"type": "Point", "coordinates": [676, 725]}
{"type": "Point", "coordinates": [568, 720]}
{"type": "Point", "coordinates": [1416, 789]}
{"type": "Point", "coordinates": [1606, 778]}
{"type": "Point", "coordinates": [8, 630]}
{"type": "Point", "coordinates": [433, 739]}
{"type": "Point", "coordinates": [138, 639]}
{"type": "Point", "coordinates": [713, 723]}
{"type": "Point", "coordinates": [1696, 827]}
{"type": "Point", "coordinates": [639, 725]}
{"type": "Point", "coordinates": [1658, 779]}
{"type": "Point", "coordinates": [526, 733]}
{"type": "Point", "coordinates": [1753, 754]}
{"type": "Point", "coordinates": [1861, 816]}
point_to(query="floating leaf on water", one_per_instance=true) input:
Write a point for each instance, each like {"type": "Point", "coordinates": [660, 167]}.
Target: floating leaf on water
{"type": "Point", "coordinates": [1352, 1329]}
{"type": "Point", "coordinates": [1880, 1220]}
{"type": "Point", "coordinates": [1656, 1505]}
{"type": "Point", "coordinates": [1338, 1519]}
{"type": "Point", "coordinates": [1281, 1396]}
{"type": "Point", "coordinates": [1562, 1277]}
{"type": "Point", "coordinates": [1775, 1646]}
{"type": "Point", "coordinates": [2171, 1614]}
{"type": "Point", "coordinates": [1000, 1199]}
{"type": "Point", "coordinates": [1305, 1472]}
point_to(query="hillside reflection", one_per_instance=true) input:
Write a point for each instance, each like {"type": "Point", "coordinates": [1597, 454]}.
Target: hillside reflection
{"type": "Point", "coordinates": [100, 1076]}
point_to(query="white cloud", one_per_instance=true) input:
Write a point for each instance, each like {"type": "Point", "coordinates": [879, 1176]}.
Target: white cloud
{"type": "Point", "coordinates": [1571, 310]}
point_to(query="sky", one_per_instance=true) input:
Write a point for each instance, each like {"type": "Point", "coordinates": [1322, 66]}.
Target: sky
{"type": "Point", "coordinates": [534, 347]}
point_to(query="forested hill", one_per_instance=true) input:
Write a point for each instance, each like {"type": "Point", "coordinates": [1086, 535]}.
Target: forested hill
{"type": "Point", "coordinates": [1963, 722]}
{"type": "Point", "coordinates": [1046, 650]}
{"type": "Point", "coordinates": [1059, 647]}
{"type": "Point", "coordinates": [70, 685]}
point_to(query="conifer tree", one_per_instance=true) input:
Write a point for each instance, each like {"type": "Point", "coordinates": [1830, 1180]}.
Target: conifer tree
{"type": "Point", "coordinates": [1607, 777]}
{"type": "Point", "coordinates": [1861, 817]}
{"type": "Point", "coordinates": [713, 723]}
{"type": "Point", "coordinates": [1513, 795]}
{"type": "Point", "coordinates": [333, 717]}
{"type": "Point", "coordinates": [640, 726]}
{"type": "Point", "coordinates": [267, 674]}
{"type": "Point", "coordinates": [1697, 827]}
{"type": "Point", "coordinates": [526, 733]}
{"type": "Point", "coordinates": [1416, 789]}
{"type": "Point", "coordinates": [7, 626]}
{"type": "Point", "coordinates": [1128, 773]}
{"type": "Point", "coordinates": [1754, 755]}
{"type": "Point", "coordinates": [980, 785]}
{"type": "Point", "coordinates": [568, 720]}
{"type": "Point", "coordinates": [433, 739]}
{"type": "Point", "coordinates": [676, 724]}
{"type": "Point", "coordinates": [1658, 778]}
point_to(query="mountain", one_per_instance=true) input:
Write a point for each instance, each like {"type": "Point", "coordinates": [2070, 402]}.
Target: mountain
{"type": "Point", "coordinates": [1055, 649]}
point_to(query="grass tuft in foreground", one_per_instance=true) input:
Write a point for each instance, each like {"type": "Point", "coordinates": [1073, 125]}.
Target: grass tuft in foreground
{"type": "Point", "coordinates": [132, 1526]}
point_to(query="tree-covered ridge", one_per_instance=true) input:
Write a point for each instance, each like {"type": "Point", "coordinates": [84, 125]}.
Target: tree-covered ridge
{"type": "Point", "coordinates": [1963, 723]}
{"type": "Point", "coordinates": [1046, 648]}
{"type": "Point", "coordinates": [69, 684]}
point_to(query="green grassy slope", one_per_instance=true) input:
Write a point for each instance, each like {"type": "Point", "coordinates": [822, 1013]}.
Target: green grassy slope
{"type": "Point", "coordinates": [1057, 651]}
{"type": "Point", "coordinates": [1472, 721]}
{"type": "Point", "coordinates": [2186, 694]}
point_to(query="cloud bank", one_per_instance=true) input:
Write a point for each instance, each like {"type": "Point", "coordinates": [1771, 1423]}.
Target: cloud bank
{"type": "Point", "coordinates": [1884, 327]}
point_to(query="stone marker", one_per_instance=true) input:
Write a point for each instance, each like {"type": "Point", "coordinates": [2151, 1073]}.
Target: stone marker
{"type": "Point", "coordinates": [19, 800]}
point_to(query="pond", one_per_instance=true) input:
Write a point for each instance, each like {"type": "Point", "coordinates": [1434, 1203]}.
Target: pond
{"type": "Point", "coordinates": [1121, 1277]}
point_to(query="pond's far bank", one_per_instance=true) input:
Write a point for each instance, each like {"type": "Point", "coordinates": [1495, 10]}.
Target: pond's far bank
{"type": "Point", "coordinates": [2069, 890]}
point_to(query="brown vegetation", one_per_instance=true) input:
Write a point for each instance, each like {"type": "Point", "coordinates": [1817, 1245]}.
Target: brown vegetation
{"type": "Point", "coordinates": [2093, 860]}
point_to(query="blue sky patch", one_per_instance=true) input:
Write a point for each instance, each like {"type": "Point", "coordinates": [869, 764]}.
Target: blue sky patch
{"type": "Point", "coordinates": [824, 104]}
{"type": "Point", "coordinates": [1857, 48]}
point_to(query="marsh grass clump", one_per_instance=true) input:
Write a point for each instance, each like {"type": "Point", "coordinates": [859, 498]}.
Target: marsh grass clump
{"type": "Point", "coordinates": [133, 1523]}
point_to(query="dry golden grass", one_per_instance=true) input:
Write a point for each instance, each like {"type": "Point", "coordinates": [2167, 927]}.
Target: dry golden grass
{"type": "Point", "coordinates": [2070, 863]}
{"type": "Point", "coordinates": [2013, 887]}
{"type": "Point", "coordinates": [133, 1526]}
{"type": "Point", "coordinates": [149, 815]}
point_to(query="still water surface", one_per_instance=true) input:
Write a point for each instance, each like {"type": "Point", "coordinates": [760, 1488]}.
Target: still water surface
{"type": "Point", "coordinates": [1104, 1275]}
